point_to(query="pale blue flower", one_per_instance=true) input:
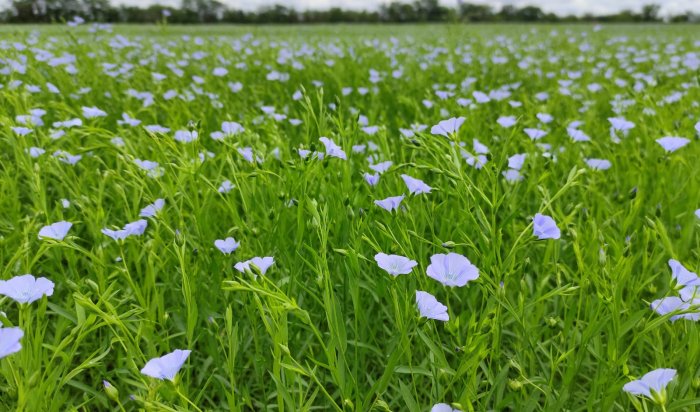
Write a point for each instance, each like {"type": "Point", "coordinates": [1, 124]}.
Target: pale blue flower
{"type": "Point", "coordinates": [577, 135]}
{"type": "Point", "coordinates": [167, 366]}
{"type": "Point", "coordinates": [56, 231]}
{"type": "Point", "coordinates": [544, 227]}
{"type": "Point", "coordinates": [152, 209]}
{"type": "Point", "coordinates": [652, 385]}
{"type": "Point", "coordinates": [512, 175]}
{"type": "Point", "coordinates": [671, 143]}
{"type": "Point", "coordinates": [535, 134]}
{"type": "Point", "coordinates": [91, 112]}
{"type": "Point", "coordinates": [226, 246]}
{"type": "Point", "coordinates": [381, 167]}
{"type": "Point", "coordinates": [448, 126]}
{"type": "Point", "coordinates": [429, 307]}
{"type": "Point", "coordinates": [156, 128]}
{"type": "Point", "coordinates": [599, 164]}
{"type": "Point", "coordinates": [226, 186]}
{"type": "Point", "coordinates": [516, 161]}
{"type": "Point", "coordinates": [332, 149]}
{"type": "Point", "coordinates": [262, 263]}
{"type": "Point", "coordinates": [395, 264]}
{"type": "Point", "coordinates": [372, 180]}
{"type": "Point", "coordinates": [415, 186]}
{"type": "Point", "coordinates": [26, 288]}
{"type": "Point", "coordinates": [452, 269]}
{"type": "Point", "coordinates": [443, 407]}
{"type": "Point", "coordinates": [186, 136]}
{"type": "Point", "coordinates": [9, 341]}
{"type": "Point", "coordinates": [507, 121]}
{"type": "Point", "coordinates": [674, 304]}
{"type": "Point", "coordinates": [390, 203]}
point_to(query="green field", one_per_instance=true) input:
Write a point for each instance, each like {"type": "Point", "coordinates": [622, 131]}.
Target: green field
{"type": "Point", "coordinates": [558, 324]}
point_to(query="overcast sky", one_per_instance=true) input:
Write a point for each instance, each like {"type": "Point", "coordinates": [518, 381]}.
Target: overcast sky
{"type": "Point", "coordinates": [556, 6]}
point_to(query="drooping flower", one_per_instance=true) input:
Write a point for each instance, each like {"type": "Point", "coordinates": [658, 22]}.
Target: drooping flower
{"type": "Point", "coordinates": [9, 341]}
{"type": "Point", "coordinates": [395, 264]}
{"type": "Point", "coordinates": [332, 149]}
{"type": "Point", "coordinates": [262, 263]}
{"type": "Point", "coordinates": [697, 213]}
{"type": "Point", "coordinates": [452, 269]}
{"type": "Point", "coordinates": [390, 203]}
{"type": "Point", "coordinates": [429, 307]}
{"type": "Point", "coordinates": [56, 231]}
{"type": "Point", "coordinates": [671, 143]}
{"type": "Point", "coordinates": [415, 186]}
{"type": "Point", "coordinates": [26, 288]}
{"type": "Point", "coordinates": [226, 246]}
{"type": "Point", "coordinates": [652, 385]}
{"type": "Point", "coordinates": [448, 126]}
{"type": "Point", "coordinates": [167, 366]}
{"type": "Point", "coordinates": [544, 227]}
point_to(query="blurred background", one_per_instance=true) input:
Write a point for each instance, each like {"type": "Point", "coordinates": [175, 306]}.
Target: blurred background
{"type": "Point", "coordinates": [347, 11]}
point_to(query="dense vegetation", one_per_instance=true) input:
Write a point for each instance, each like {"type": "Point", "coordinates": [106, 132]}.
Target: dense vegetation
{"type": "Point", "coordinates": [355, 218]}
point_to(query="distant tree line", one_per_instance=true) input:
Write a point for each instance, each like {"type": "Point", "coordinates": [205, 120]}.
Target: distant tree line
{"type": "Point", "coordinates": [213, 11]}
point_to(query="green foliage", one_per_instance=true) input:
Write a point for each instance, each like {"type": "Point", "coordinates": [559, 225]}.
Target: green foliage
{"type": "Point", "coordinates": [549, 325]}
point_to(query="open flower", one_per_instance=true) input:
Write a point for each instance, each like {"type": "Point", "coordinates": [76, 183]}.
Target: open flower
{"type": "Point", "coordinates": [445, 127]}
{"type": "Point", "coordinates": [544, 227]}
{"type": "Point", "coordinates": [56, 231]}
{"type": "Point", "coordinates": [395, 264]}
{"type": "Point", "coordinates": [226, 246]}
{"type": "Point", "coordinates": [262, 263]}
{"type": "Point", "coordinates": [390, 203]}
{"type": "Point", "coordinates": [452, 269]}
{"type": "Point", "coordinates": [167, 366]}
{"type": "Point", "coordinates": [671, 144]}
{"type": "Point", "coordinates": [430, 308]}
{"type": "Point", "coordinates": [652, 385]}
{"type": "Point", "coordinates": [26, 288]}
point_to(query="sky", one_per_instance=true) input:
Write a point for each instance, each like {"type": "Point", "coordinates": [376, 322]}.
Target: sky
{"type": "Point", "coordinates": [555, 6]}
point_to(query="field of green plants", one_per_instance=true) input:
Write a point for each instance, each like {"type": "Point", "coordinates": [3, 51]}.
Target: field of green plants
{"type": "Point", "coordinates": [349, 218]}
